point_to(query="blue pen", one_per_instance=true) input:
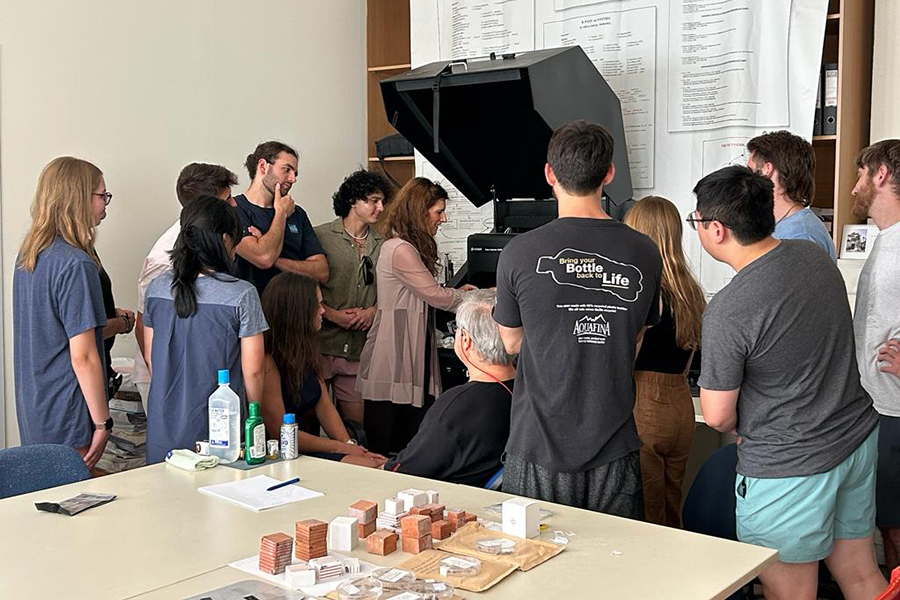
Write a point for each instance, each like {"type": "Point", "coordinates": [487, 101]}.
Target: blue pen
{"type": "Point", "coordinates": [283, 483]}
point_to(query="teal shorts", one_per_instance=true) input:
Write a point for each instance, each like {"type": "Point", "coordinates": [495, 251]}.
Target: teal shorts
{"type": "Point", "coordinates": [802, 516]}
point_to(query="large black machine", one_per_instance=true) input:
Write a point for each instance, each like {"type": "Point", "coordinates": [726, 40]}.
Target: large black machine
{"type": "Point", "coordinates": [485, 125]}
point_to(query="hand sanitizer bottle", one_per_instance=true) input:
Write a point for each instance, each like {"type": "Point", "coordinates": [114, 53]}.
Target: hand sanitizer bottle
{"type": "Point", "coordinates": [224, 421]}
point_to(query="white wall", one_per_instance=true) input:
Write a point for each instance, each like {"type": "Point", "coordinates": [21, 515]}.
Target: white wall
{"type": "Point", "coordinates": [886, 71]}
{"type": "Point", "coordinates": [143, 88]}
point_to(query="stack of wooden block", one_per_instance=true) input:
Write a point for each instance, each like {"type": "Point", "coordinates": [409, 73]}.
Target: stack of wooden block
{"type": "Point", "coordinates": [311, 539]}
{"type": "Point", "coordinates": [415, 533]}
{"type": "Point", "coordinates": [366, 512]}
{"type": "Point", "coordinates": [275, 553]}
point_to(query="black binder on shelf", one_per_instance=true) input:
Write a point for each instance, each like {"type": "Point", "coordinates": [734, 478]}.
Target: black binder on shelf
{"type": "Point", "coordinates": [829, 98]}
{"type": "Point", "coordinates": [817, 119]}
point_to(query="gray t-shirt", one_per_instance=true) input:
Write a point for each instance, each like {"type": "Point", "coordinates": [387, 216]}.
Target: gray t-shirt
{"type": "Point", "coordinates": [188, 353]}
{"type": "Point", "coordinates": [581, 289]}
{"type": "Point", "coordinates": [877, 319]}
{"type": "Point", "coordinates": [59, 300]}
{"type": "Point", "coordinates": [781, 331]}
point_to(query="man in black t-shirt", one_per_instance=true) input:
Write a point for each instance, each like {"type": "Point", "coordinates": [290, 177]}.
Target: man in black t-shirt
{"type": "Point", "coordinates": [574, 298]}
{"type": "Point", "coordinates": [463, 434]}
{"type": "Point", "coordinates": [288, 242]}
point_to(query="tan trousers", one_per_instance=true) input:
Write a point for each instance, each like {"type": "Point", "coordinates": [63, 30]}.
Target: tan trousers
{"type": "Point", "coordinates": [664, 415]}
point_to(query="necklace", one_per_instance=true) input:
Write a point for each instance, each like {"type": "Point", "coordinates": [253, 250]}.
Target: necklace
{"type": "Point", "coordinates": [358, 238]}
{"type": "Point", "coordinates": [783, 217]}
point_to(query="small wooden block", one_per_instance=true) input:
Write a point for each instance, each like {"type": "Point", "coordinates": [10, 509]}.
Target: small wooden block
{"type": "Point", "coordinates": [456, 517]}
{"type": "Point", "coordinates": [413, 545]}
{"type": "Point", "coordinates": [365, 511]}
{"type": "Point", "coordinates": [436, 511]}
{"type": "Point", "coordinates": [420, 510]}
{"type": "Point", "coordinates": [470, 518]}
{"type": "Point", "coordinates": [415, 526]}
{"type": "Point", "coordinates": [382, 542]}
{"type": "Point", "coordinates": [440, 530]}
{"type": "Point", "coordinates": [365, 529]}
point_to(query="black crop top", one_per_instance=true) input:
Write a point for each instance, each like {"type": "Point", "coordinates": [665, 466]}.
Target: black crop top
{"type": "Point", "coordinates": [659, 352]}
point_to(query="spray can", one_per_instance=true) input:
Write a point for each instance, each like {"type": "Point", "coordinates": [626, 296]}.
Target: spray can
{"type": "Point", "coordinates": [289, 437]}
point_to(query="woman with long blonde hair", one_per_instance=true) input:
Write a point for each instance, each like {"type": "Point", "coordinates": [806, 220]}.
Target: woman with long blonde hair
{"type": "Point", "coordinates": [663, 410]}
{"type": "Point", "coordinates": [59, 314]}
{"type": "Point", "coordinates": [398, 372]}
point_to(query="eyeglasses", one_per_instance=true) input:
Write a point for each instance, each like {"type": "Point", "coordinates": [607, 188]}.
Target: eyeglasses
{"type": "Point", "coordinates": [107, 196]}
{"type": "Point", "coordinates": [367, 272]}
{"type": "Point", "coordinates": [692, 220]}
{"type": "Point", "coordinates": [452, 327]}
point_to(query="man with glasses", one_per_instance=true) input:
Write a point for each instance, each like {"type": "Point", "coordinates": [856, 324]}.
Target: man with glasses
{"type": "Point", "coordinates": [288, 242]}
{"type": "Point", "coordinates": [573, 300]}
{"type": "Point", "coordinates": [779, 369]}
{"type": "Point", "coordinates": [352, 246]}
{"type": "Point", "coordinates": [195, 180]}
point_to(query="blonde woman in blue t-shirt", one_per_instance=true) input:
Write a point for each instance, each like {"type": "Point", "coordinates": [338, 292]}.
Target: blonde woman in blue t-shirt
{"type": "Point", "coordinates": [59, 316]}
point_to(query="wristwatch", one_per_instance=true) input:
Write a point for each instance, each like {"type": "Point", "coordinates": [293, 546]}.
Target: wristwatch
{"type": "Point", "coordinates": [106, 425]}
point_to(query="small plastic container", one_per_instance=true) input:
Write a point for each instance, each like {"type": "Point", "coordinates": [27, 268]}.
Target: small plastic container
{"type": "Point", "coordinates": [434, 590]}
{"type": "Point", "coordinates": [496, 546]}
{"type": "Point", "coordinates": [460, 566]}
{"type": "Point", "coordinates": [392, 578]}
{"type": "Point", "coordinates": [364, 588]}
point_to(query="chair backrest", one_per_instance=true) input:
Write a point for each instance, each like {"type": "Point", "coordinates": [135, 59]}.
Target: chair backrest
{"type": "Point", "coordinates": [36, 467]}
{"type": "Point", "coordinates": [893, 589]}
{"type": "Point", "coordinates": [710, 504]}
{"type": "Point", "coordinates": [495, 481]}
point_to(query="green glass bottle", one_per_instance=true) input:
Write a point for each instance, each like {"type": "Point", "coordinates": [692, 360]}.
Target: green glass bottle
{"type": "Point", "coordinates": [255, 437]}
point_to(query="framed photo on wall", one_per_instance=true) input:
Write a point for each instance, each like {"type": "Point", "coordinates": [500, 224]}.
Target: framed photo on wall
{"type": "Point", "coordinates": [857, 240]}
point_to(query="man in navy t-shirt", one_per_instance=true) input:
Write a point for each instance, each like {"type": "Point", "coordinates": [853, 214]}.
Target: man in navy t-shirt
{"type": "Point", "coordinates": [288, 242]}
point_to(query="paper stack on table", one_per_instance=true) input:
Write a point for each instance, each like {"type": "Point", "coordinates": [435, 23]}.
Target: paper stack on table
{"type": "Point", "coordinates": [251, 493]}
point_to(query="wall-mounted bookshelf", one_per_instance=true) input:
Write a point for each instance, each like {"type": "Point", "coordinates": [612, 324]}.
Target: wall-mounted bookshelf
{"type": "Point", "coordinates": [849, 34]}
{"type": "Point", "coordinates": [387, 54]}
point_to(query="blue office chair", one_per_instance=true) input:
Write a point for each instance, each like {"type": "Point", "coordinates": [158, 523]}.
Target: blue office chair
{"type": "Point", "coordinates": [495, 481]}
{"type": "Point", "coordinates": [30, 468]}
{"type": "Point", "coordinates": [710, 504]}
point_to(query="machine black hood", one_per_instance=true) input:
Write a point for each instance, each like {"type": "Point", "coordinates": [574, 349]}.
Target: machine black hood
{"type": "Point", "coordinates": [495, 117]}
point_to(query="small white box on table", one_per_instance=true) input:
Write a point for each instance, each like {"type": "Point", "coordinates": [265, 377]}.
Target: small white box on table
{"type": "Point", "coordinates": [342, 534]}
{"type": "Point", "coordinates": [521, 517]}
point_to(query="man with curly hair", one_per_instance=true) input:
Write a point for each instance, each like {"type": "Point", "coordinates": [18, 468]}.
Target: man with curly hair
{"type": "Point", "coordinates": [352, 246]}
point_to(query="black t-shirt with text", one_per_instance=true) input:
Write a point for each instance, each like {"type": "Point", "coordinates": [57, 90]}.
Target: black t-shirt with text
{"type": "Point", "coordinates": [461, 437]}
{"type": "Point", "coordinates": [300, 241]}
{"type": "Point", "coordinates": [581, 289]}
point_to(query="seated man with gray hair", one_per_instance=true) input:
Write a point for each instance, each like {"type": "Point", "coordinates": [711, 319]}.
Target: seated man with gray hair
{"type": "Point", "coordinates": [464, 434]}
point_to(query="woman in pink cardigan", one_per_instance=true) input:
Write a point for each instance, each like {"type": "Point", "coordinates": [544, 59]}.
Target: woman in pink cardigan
{"type": "Point", "coordinates": [398, 374]}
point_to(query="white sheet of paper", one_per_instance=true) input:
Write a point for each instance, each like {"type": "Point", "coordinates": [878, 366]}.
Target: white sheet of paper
{"type": "Point", "coordinates": [251, 565]}
{"type": "Point", "coordinates": [251, 493]}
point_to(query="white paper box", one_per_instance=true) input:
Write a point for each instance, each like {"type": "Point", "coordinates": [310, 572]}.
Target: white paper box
{"type": "Point", "coordinates": [412, 497]}
{"type": "Point", "coordinates": [300, 575]}
{"type": "Point", "coordinates": [393, 506]}
{"type": "Point", "coordinates": [521, 518]}
{"type": "Point", "coordinates": [433, 497]}
{"type": "Point", "coordinates": [343, 535]}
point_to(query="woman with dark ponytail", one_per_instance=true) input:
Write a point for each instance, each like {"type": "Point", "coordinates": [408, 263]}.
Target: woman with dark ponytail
{"type": "Point", "coordinates": [199, 318]}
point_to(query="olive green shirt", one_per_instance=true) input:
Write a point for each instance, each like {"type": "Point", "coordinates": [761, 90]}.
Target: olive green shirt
{"type": "Point", "coordinates": [346, 286]}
